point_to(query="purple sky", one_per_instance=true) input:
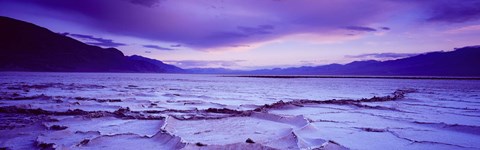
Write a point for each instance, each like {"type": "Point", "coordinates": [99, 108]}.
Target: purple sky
{"type": "Point", "coordinates": [250, 34]}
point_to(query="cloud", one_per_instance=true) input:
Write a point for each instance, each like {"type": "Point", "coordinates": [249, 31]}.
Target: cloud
{"type": "Point", "coordinates": [315, 62]}
{"type": "Point", "coordinates": [196, 24]}
{"type": "Point", "coordinates": [89, 39]}
{"type": "Point", "coordinates": [454, 11]}
{"type": "Point", "coordinates": [205, 63]}
{"type": "Point", "coordinates": [206, 24]}
{"type": "Point", "coordinates": [176, 45]}
{"type": "Point", "coordinates": [465, 29]}
{"type": "Point", "coordinates": [385, 28]}
{"type": "Point", "coordinates": [261, 29]}
{"type": "Point", "coordinates": [239, 45]}
{"type": "Point", "coordinates": [360, 28]}
{"type": "Point", "coordinates": [382, 56]}
{"type": "Point", "coordinates": [158, 47]}
{"type": "Point", "coordinates": [147, 3]}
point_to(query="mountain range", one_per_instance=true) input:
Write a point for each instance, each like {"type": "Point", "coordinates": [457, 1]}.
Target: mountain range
{"type": "Point", "coordinates": [28, 47]}
{"type": "Point", "coordinates": [460, 62]}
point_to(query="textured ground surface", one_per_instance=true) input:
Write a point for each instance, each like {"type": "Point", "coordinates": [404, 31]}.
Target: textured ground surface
{"type": "Point", "coordinates": [159, 111]}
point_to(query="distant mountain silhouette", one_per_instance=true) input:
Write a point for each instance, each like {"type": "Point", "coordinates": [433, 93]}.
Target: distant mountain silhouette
{"type": "Point", "coordinates": [460, 62]}
{"type": "Point", "coordinates": [144, 64]}
{"type": "Point", "coordinates": [28, 47]}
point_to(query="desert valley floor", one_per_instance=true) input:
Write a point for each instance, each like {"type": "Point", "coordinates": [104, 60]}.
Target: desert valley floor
{"type": "Point", "coordinates": [175, 111]}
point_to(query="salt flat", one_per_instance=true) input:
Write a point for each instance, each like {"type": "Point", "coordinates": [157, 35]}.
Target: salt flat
{"type": "Point", "coordinates": [179, 111]}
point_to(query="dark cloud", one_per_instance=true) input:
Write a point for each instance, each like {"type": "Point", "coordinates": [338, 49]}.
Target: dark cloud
{"type": "Point", "coordinates": [454, 11]}
{"type": "Point", "coordinates": [222, 36]}
{"type": "Point", "coordinates": [242, 33]}
{"type": "Point", "coordinates": [383, 55]}
{"type": "Point", "coordinates": [147, 3]}
{"type": "Point", "coordinates": [385, 28]}
{"type": "Point", "coordinates": [176, 45]}
{"type": "Point", "coordinates": [158, 47]}
{"type": "Point", "coordinates": [261, 29]}
{"type": "Point", "coordinates": [89, 39]}
{"type": "Point", "coordinates": [204, 63]}
{"type": "Point", "coordinates": [194, 24]}
{"type": "Point", "coordinates": [360, 28]}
